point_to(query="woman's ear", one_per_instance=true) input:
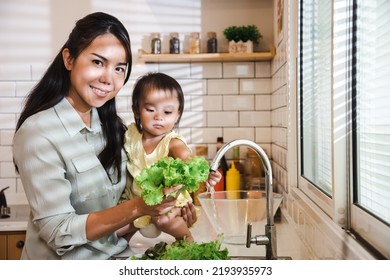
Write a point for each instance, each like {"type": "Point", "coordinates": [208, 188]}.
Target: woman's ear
{"type": "Point", "coordinates": [68, 60]}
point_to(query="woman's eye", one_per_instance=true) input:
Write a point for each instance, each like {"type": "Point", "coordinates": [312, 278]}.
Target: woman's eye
{"type": "Point", "coordinates": [121, 69]}
{"type": "Point", "coordinates": [98, 62]}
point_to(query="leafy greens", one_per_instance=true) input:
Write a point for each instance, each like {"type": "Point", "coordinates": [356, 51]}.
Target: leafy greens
{"type": "Point", "coordinates": [184, 250]}
{"type": "Point", "coordinates": [170, 172]}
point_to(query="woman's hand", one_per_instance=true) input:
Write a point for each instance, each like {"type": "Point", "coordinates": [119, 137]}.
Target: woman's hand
{"type": "Point", "coordinates": [188, 214]}
{"type": "Point", "coordinates": [166, 205]}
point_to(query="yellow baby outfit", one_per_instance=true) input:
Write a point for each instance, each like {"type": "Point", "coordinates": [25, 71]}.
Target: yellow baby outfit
{"type": "Point", "coordinates": [138, 159]}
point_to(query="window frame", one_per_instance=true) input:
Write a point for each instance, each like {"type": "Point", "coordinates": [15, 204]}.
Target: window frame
{"type": "Point", "coordinates": [340, 206]}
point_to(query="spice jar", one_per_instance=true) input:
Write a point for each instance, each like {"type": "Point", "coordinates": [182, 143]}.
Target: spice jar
{"type": "Point", "coordinates": [156, 43]}
{"type": "Point", "coordinates": [194, 43]}
{"type": "Point", "coordinates": [174, 43]}
{"type": "Point", "coordinates": [212, 44]}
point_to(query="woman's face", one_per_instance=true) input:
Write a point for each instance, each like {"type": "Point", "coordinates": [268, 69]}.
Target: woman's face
{"type": "Point", "coordinates": [97, 74]}
{"type": "Point", "coordinates": [159, 111]}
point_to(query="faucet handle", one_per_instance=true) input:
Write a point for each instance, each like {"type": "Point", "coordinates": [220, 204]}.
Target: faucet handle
{"type": "Point", "coordinates": [248, 235]}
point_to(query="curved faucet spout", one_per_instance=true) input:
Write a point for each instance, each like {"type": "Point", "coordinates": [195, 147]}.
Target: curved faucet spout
{"type": "Point", "coordinates": [267, 167]}
{"type": "Point", "coordinates": [269, 239]}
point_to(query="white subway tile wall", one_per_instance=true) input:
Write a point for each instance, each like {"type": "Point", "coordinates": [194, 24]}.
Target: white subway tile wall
{"type": "Point", "coordinates": [228, 99]}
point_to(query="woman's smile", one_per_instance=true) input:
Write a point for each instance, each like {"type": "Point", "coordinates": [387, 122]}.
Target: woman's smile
{"type": "Point", "coordinates": [100, 92]}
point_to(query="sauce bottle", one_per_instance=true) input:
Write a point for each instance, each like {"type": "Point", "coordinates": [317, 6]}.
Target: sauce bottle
{"type": "Point", "coordinates": [233, 182]}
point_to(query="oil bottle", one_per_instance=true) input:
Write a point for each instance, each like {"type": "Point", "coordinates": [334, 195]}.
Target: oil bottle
{"type": "Point", "coordinates": [223, 167]}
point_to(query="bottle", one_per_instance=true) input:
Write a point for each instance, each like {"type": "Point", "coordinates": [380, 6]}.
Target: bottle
{"type": "Point", "coordinates": [212, 44]}
{"type": "Point", "coordinates": [200, 151]}
{"type": "Point", "coordinates": [223, 167]}
{"type": "Point", "coordinates": [253, 170]}
{"type": "Point", "coordinates": [174, 43]}
{"type": "Point", "coordinates": [156, 43]}
{"type": "Point", "coordinates": [239, 166]}
{"type": "Point", "coordinates": [232, 182]}
{"type": "Point", "coordinates": [194, 43]}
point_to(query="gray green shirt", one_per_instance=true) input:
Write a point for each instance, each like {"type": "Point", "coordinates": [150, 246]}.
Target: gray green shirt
{"type": "Point", "coordinates": [64, 181]}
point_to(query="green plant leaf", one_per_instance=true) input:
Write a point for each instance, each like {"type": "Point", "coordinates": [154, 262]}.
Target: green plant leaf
{"type": "Point", "coordinates": [243, 33]}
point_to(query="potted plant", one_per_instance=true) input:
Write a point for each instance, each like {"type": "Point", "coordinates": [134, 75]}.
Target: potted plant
{"type": "Point", "coordinates": [242, 38]}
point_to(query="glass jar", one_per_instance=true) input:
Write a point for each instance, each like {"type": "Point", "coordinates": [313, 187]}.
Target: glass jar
{"type": "Point", "coordinates": [174, 43]}
{"type": "Point", "coordinates": [194, 43]}
{"type": "Point", "coordinates": [212, 44]}
{"type": "Point", "coordinates": [156, 43]}
{"type": "Point", "coordinates": [253, 170]}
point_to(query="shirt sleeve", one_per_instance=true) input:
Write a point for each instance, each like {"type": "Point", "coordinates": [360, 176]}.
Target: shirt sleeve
{"type": "Point", "coordinates": [43, 174]}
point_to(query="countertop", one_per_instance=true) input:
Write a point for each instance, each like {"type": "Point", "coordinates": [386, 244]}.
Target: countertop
{"type": "Point", "coordinates": [17, 220]}
{"type": "Point", "coordinates": [288, 242]}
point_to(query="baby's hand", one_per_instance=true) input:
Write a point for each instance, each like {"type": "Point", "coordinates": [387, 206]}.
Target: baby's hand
{"type": "Point", "coordinates": [214, 178]}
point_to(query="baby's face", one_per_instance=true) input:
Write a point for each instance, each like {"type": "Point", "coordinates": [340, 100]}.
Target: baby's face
{"type": "Point", "coordinates": [159, 112]}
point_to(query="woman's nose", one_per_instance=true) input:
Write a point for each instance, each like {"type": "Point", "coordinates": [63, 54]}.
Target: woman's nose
{"type": "Point", "coordinates": [106, 76]}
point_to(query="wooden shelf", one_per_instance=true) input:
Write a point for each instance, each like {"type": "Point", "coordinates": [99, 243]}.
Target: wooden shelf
{"type": "Point", "coordinates": [205, 57]}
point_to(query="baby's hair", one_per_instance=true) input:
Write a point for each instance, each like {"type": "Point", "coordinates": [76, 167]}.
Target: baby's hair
{"type": "Point", "coordinates": [152, 81]}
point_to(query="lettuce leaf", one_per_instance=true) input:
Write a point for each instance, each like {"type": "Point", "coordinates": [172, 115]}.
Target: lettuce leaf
{"type": "Point", "coordinates": [183, 250]}
{"type": "Point", "coordinates": [170, 172]}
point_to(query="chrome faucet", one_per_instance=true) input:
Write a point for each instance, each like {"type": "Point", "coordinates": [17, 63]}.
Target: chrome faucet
{"type": "Point", "coordinates": [269, 239]}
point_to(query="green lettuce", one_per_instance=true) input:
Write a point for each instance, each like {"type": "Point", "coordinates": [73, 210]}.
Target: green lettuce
{"type": "Point", "coordinates": [183, 250]}
{"type": "Point", "coordinates": [170, 172]}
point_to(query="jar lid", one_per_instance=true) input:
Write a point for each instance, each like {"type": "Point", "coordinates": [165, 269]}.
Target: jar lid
{"type": "Point", "coordinates": [195, 34]}
{"type": "Point", "coordinates": [174, 34]}
{"type": "Point", "coordinates": [211, 34]}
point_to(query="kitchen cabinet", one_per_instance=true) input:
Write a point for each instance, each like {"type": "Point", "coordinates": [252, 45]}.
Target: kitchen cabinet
{"type": "Point", "coordinates": [11, 244]}
{"type": "Point", "coordinates": [206, 57]}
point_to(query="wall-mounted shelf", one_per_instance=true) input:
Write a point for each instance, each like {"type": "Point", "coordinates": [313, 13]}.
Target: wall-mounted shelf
{"type": "Point", "coordinates": [205, 57]}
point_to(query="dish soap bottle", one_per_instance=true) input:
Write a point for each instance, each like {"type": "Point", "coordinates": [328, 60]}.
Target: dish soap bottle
{"type": "Point", "coordinates": [233, 181]}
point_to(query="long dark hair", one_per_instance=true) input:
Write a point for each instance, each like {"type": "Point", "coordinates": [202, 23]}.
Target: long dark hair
{"type": "Point", "coordinates": [151, 81]}
{"type": "Point", "coordinates": [55, 83]}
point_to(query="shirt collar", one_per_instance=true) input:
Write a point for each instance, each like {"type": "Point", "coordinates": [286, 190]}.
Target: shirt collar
{"type": "Point", "coordinates": [72, 121]}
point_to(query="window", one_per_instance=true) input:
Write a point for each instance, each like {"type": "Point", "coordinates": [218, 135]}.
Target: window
{"type": "Point", "coordinates": [316, 42]}
{"type": "Point", "coordinates": [344, 70]}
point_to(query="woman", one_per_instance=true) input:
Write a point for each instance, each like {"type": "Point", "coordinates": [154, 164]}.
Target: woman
{"type": "Point", "coordinates": [68, 149]}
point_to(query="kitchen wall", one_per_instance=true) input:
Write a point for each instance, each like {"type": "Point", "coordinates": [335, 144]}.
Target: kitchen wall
{"type": "Point", "coordinates": [229, 99]}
